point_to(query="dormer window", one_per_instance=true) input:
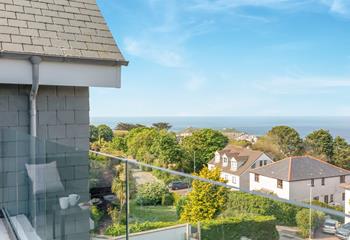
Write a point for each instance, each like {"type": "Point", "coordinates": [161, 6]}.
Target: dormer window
{"type": "Point", "coordinates": [233, 165]}
{"type": "Point", "coordinates": [225, 160]}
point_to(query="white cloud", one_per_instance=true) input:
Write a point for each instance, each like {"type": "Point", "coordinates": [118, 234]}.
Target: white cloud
{"type": "Point", "coordinates": [162, 55]}
{"type": "Point", "coordinates": [341, 7]}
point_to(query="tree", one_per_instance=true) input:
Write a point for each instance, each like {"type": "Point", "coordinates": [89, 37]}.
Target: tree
{"type": "Point", "coordinates": [206, 200]}
{"type": "Point", "coordinates": [303, 221]}
{"type": "Point", "coordinates": [341, 153]}
{"type": "Point", "coordinates": [167, 150]}
{"type": "Point", "coordinates": [105, 133]}
{"type": "Point", "coordinates": [127, 126]}
{"type": "Point", "coordinates": [93, 133]}
{"type": "Point", "coordinates": [119, 143]}
{"type": "Point", "coordinates": [162, 125]}
{"type": "Point", "coordinates": [320, 144]}
{"type": "Point", "coordinates": [201, 146]}
{"type": "Point", "coordinates": [287, 139]}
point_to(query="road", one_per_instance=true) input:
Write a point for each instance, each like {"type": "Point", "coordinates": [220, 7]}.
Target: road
{"type": "Point", "coordinates": [290, 233]}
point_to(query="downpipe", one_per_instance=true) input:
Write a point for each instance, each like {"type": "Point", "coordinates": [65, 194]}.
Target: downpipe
{"type": "Point", "coordinates": [35, 61]}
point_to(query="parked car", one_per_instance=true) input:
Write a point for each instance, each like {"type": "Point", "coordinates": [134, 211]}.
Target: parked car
{"type": "Point", "coordinates": [330, 226]}
{"type": "Point", "coordinates": [343, 232]}
{"type": "Point", "coordinates": [177, 185]}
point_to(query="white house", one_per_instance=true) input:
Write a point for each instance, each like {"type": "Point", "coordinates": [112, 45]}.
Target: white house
{"type": "Point", "coordinates": [298, 178]}
{"type": "Point", "coordinates": [235, 164]}
{"type": "Point", "coordinates": [346, 186]}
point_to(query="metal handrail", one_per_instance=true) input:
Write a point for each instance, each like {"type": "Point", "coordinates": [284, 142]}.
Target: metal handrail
{"type": "Point", "coordinates": [194, 177]}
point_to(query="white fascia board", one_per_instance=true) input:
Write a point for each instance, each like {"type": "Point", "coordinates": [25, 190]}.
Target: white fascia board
{"type": "Point", "coordinates": [60, 74]}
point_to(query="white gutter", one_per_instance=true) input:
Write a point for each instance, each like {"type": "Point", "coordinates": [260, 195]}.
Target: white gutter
{"type": "Point", "coordinates": [33, 94]}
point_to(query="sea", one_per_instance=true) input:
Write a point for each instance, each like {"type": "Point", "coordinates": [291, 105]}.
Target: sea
{"type": "Point", "coordinates": [338, 126]}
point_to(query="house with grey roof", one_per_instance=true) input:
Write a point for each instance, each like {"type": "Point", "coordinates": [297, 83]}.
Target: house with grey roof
{"type": "Point", "coordinates": [235, 163]}
{"type": "Point", "coordinates": [51, 53]}
{"type": "Point", "coordinates": [302, 178]}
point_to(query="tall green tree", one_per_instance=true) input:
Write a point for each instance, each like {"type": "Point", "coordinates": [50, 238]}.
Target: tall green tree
{"type": "Point", "coordinates": [162, 125]}
{"type": "Point", "coordinates": [201, 146]}
{"type": "Point", "coordinates": [206, 200]}
{"type": "Point", "coordinates": [320, 144]}
{"type": "Point", "coordinates": [341, 153]}
{"type": "Point", "coordinates": [119, 143]}
{"type": "Point", "coordinates": [93, 133]}
{"type": "Point", "coordinates": [104, 133]}
{"type": "Point", "coordinates": [287, 139]}
{"type": "Point", "coordinates": [127, 126]}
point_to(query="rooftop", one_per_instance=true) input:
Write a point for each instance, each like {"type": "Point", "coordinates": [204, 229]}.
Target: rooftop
{"type": "Point", "coordinates": [71, 29]}
{"type": "Point", "coordinates": [300, 168]}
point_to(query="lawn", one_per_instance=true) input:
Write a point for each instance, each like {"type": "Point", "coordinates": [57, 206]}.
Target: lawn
{"type": "Point", "coordinates": [152, 213]}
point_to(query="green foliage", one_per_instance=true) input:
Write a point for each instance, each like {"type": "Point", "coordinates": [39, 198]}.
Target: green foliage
{"type": "Point", "coordinates": [167, 199]}
{"type": "Point", "coordinates": [253, 227]}
{"type": "Point", "coordinates": [287, 139]}
{"type": "Point", "coordinates": [239, 202]}
{"type": "Point", "coordinates": [93, 133]}
{"type": "Point", "coordinates": [119, 143]}
{"type": "Point", "coordinates": [162, 126]}
{"type": "Point", "coordinates": [241, 143]}
{"type": "Point", "coordinates": [166, 177]}
{"type": "Point", "coordinates": [151, 193]}
{"type": "Point", "coordinates": [320, 143]}
{"type": "Point", "coordinates": [341, 153]}
{"type": "Point", "coordinates": [267, 145]}
{"type": "Point", "coordinates": [206, 200]}
{"type": "Point", "coordinates": [96, 214]}
{"type": "Point", "coordinates": [202, 145]}
{"type": "Point", "coordinates": [104, 133]}
{"type": "Point", "coordinates": [151, 213]}
{"type": "Point", "coordinates": [180, 204]}
{"type": "Point", "coordinates": [118, 230]}
{"type": "Point", "coordinates": [127, 126]}
{"type": "Point", "coordinates": [303, 221]}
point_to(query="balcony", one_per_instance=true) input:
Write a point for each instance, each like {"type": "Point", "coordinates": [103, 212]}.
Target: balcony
{"type": "Point", "coordinates": [52, 191]}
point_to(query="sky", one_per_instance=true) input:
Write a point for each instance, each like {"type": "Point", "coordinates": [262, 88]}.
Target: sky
{"type": "Point", "coordinates": [229, 58]}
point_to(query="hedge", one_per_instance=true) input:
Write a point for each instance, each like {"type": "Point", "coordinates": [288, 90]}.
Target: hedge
{"type": "Point", "coordinates": [252, 227]}
{"type": "Point", "coordinates": [239, 202]}
{"type": "Point", "coordinates": [119, 229]}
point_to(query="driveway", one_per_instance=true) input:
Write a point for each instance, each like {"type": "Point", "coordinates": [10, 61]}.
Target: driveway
{"type": "Point", "coordinates": [142, 177]}
{"type": "Point", "coordinates": [290, 233]}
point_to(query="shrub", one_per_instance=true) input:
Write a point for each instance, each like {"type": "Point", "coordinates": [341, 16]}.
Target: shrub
{"type": "Point", "coordinates": [303, 221]}
{"type": "Point", "coordinates": [179, 205]}
{"type": "Point", "coordinates": [96, 215]}
{"type": "Point", "coordinates": [118, 229]}
{"type": "Point", "coordinates": [151, 193]}
{"type": "Point", "coordinates": [239, 202]}
{"type": "Point", "coordinates": [253, 227]}
{"type": "Point", "coordinates": [167, 199]}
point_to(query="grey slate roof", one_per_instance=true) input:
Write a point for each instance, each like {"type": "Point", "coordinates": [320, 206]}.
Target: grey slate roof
{"type": "Point", "coordinates": [59, 28]}
{"type": "Point", "coordinates": [300, 168]}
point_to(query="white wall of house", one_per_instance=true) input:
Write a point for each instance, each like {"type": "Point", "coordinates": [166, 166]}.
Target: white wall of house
{"type": "Point", "coordinates": [347, 205]}
{"type": "Point", "coordinates": [269, 184]}
{"type": "Point", "coordinates": [232, 180]}
{"type": "Point", "coordinates": [300, 190]}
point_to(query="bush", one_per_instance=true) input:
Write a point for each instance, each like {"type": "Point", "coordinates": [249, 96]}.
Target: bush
{"type": "Point", "coordinates": [96, 215]}
{"type": "Point", "coordinates": [239, 202]}
{"type": "Point", "coordinates": [179, 205]}
{"type": "Point", "coordinates": [151, 194]}
{"type": "Point", "coordinates": [118, 229]}
{"type": "Point", "coordinates": [167, 199]}
{"type": "Point", "coordinates": [303, 221]}
{"type": "Point", "coordinates": [253, 227]}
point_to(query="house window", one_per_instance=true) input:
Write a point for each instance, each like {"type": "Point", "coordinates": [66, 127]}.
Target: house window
{"type": "Point", "coordinates": [265, 162]}
{"type": "Point", "coordinates": [312, 182]}
{"type": "Point", "coordinates": [225, 160]}
{"type": "Point", "coordinates": [343, 196]}
{"type": "Point", "coordinates": [233, 165]}
{"type": "Point", "coordinates": [226, 177]}
{"type": "Point", "coordinates": [256, 177]}
{"type": "Point", "coordinates": [317, 198]}
{"type": "Point", "coordinates": [260, 163]}
{"type": "Point", "coordinates": [342, 179]}
{"type": "Point", "coordinates": [234, 179]}
{"type": "Point", "coordinates": [331, 198]}
{"type": "Point", "coordinates": [279, 183]}
{"type": "Point", "coordinates": [323, 182]}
